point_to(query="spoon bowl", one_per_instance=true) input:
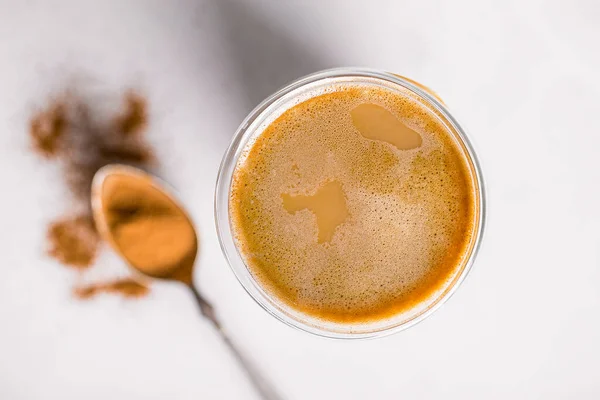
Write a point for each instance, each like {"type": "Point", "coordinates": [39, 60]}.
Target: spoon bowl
{"type": "Point", "coordinates": [138, 192]}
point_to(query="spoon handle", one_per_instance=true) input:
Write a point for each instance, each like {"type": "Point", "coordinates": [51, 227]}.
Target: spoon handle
{"type": "Point", "coordinates": [263, 387]}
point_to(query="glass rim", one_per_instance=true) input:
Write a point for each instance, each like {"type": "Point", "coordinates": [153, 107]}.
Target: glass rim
{"type": "Point", "coordinates": [229, 163]}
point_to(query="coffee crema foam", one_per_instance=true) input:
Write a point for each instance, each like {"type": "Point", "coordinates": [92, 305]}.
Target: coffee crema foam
{"type": "Point", "coordinates": [402, 230]}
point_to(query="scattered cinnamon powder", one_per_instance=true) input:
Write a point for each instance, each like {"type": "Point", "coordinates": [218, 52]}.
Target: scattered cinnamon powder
{"type": "Point", "coordinates": [73, 241]}
{"type": "Point", "coordinates": [47, 130]}
{"type": "Point", "coordinates": [134, 119]}
{"type": "Point", "coordinates": [74, 132]}
{"type": "Point", "coordinates": [128, 288]}
{"type": "Point", "coordinates": [93, 142]}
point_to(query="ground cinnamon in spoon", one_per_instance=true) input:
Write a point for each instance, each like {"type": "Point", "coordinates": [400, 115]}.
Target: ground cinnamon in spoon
{"type": "Point", "coordinates": [148, 228]}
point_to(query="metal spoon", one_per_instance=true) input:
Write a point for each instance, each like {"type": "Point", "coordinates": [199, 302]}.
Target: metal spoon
{"type": "Point", "coordinates": [184, 271]}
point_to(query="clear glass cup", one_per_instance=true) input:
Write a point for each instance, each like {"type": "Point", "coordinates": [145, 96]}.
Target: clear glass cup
{"type": "Point", "coordinates": [261, 117]}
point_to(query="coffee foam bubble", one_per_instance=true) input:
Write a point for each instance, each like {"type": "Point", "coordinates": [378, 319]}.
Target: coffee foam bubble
{"type": "Point", "coordinates": [411, 212]}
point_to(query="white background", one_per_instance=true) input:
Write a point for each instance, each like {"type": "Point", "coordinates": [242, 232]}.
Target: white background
{"type": "Point", "coordinates": [522, 77]}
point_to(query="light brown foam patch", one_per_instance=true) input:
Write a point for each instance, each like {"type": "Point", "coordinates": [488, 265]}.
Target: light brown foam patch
{"type": "Point", "coordinates": [376, 123]}
{"type": "Point", "coordinates": [328, 204]}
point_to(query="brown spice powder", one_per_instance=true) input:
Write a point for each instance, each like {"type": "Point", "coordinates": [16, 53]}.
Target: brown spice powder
{"type": "Point", "coordinates": [73, 131]}
{"type": "Point", "coordinates": [47, 130]}
{"type": "Point", "coordinates": [93, 143]}
{"type": "Point", "coordinates": [148, 228]}
{"type": "Point", "coordinates": [73, 241]}
{"type": "Point", "coordinates": [135, 117]}
{"type": "Point", "coordinates": [128, 288]}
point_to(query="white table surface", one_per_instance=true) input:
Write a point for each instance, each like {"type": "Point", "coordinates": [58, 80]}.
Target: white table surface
{"type": "Point", "coordinates": [522, 76]}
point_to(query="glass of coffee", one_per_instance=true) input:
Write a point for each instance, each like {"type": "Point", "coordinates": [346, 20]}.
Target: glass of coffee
{"type": "Point", "coordinates": [350, 204]}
